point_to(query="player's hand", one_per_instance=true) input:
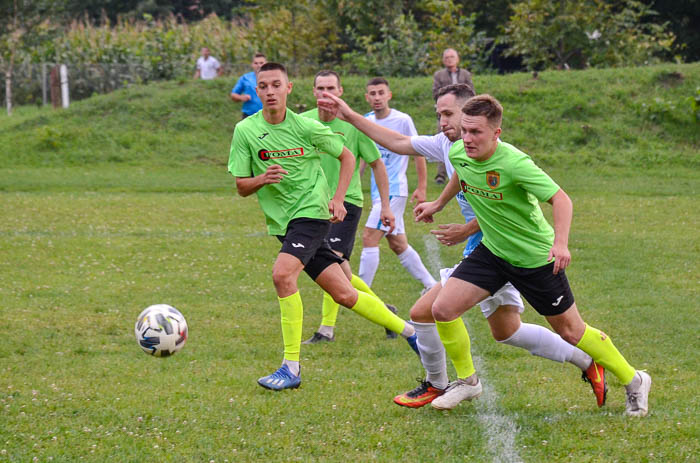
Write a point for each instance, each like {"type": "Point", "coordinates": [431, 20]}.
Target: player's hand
{"type": "Point", "coordinates": [273, 174]}
{"type": "Point", "coordinates": [337, 210]}
{"type": "Point", "coordinates": [388, 219]}
{"type": "Point", "coordinates": [450, 234]}
{"type": "Point", "coordinates": [562, 257]}
{"type": "Point", "coordinates": [418, 196]}
{"type": "Point", "coordinates": [248, 97]}
{"type": "Point", "coordinates": [424, 211]}
{"type": "Point", "coordinates": [334, 105]}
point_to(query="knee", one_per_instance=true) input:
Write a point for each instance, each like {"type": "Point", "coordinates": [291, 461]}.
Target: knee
{"type": "Point", "coordinates": [281, 279]}
{"type": "Point", "coordinates": [501, 333]}
{"type": "Point", "coordinates": [345, 296]}
{"type": "Point", "coordinates": [397, 248]}
{"type": "Point", "coordinates": [441, 313]}
{"type": "Point", "coordinates": [422, 314]}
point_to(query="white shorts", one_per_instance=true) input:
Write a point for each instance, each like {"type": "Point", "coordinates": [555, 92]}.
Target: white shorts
{"type": "Point", "coordinates": [507, 295]}
{"type": "Point", "coordinates": [398, 206]}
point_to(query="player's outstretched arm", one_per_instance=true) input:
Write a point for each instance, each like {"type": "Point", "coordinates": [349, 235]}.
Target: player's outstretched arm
{"type": "Point", "coordinates": [382, 180]}
{"type": "Point", "coordinates": [347, 168]}
{"type": "Point", "coordinates": [455, 233]}
{"type": "Point", "coordinates": [389, 139]}
{"type": "Point", "coordinates": [424, 211]}
{"type": "Point", "coordinates": [562, 213]}
{"type": "Point", "coordinates": [248, 185]}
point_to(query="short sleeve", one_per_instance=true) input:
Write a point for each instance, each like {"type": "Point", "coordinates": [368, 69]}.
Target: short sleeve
{"type": "Point", "coordinates": [429, 147]}
{"type": "Point", "coordinates": [239, 162]}
{"type": "Point", "coordinates": [199, 64]}
{"type": "Point", "coordinates": [410, 127]}
{"type": "Point", "coordinates": [367, 149]}
{"type": "Point", "coordinates": [528, 176]}
{"type": "Point", "coordinates": [323, 138]}
{"type": "Point", "coordinates": [238, 88]}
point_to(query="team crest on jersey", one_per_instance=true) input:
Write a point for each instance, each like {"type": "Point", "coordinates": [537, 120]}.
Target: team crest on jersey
{"type": "Point", "coordinates": [266, 155]}
{"type": "Point", "coordinates": [493, 179]}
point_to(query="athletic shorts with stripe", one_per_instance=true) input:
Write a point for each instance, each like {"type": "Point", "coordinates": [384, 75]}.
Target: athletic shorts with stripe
{"type": "Point", "coordinates": [398, 206]}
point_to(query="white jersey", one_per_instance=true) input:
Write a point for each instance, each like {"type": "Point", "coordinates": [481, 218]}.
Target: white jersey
{"type": "Point", "coordinates": [396, 164]}
{"type": "Point", "coordinates": [207, 68]}
{"type": "Point", "coordinates": [437, 148]}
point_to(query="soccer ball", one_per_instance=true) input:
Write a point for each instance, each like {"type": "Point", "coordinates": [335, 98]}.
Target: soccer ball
{"type": "Point", "coordinates": [161, 330]}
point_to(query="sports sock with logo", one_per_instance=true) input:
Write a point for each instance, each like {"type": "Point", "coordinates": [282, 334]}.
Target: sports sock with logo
{"type": "Point", "coordinates": [542, 342]}
{"type": "Point", "coordinates": [432, 354]}
{"type": "Point", "coordinates": [375, 311]}
{"type": "Point", "coordinates": [412, 262]}
{"type": "Point", "coordinates": [455, 338]}
{"type": "Point", "coordinates": [369, 262]}
{"type": "Point", "coordinates": [292, 312]}
{"type": "Point", "coordinates": [599, 346]}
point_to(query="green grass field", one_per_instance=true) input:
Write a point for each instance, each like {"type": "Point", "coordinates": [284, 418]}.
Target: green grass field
{"type": "Point", "coordinates": [124, 201]}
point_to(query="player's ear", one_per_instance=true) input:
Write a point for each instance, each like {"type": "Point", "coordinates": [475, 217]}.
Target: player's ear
{"type": "Point", "coordinates": [367, 97]}
{"type": "Point", "coordinates": [289, 87]}
{"type": "Point", "coordinates": [496, 133]}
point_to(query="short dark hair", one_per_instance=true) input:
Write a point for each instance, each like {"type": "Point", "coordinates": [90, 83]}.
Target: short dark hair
{"type": "Point", "coordinates": [259, 55]}
{"type": "Point", "coordinates": [460, 91]}
{"type": "Point", "coordinates": [378, 81]}
{"type": "Point", "coordinates": [272, 66]}
{"type": "Point", "coordinates": [325, 73]}
{"type": "Point", "coordinates": [487, 106]}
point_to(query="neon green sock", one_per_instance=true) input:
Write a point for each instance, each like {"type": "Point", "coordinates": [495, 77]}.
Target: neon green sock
{"type": "Point", "coordinates": [455, 338]}
{"type": "Point", "coordinates": [601, 348]}
{"type": "Point", "coordinates": [360, 285]}
{"type": "Point", "coordinates": [375, 311]}
{"type": "Point", "coordinates": [329, 310]}
{"type": "Point", "coordinates": [292, 312]}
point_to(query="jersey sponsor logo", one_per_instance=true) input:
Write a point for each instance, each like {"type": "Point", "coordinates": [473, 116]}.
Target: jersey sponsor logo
{"type": "Point", "coordinates": [266, 155]}
{"type": "Point", "coordinates": [263, 135]}
{"type": "Point", "coordinates": [467, 188]}
{"type": "Point", "coordinates": [493, 179]}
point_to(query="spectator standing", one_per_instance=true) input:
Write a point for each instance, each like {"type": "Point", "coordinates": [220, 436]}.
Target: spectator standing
{"type": "Point", "coordinates": [208, 67]}
{"type": "Point", "coordinates": [449, 75]}
{"type": "Point", "coordinates": [244, 90]}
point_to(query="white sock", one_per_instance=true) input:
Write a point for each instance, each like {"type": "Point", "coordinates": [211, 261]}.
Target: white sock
{"type": "Point", "coordinates": [411, 262]}
{"type": "Point", "coordinates": [369, 261]}
{"type": "Point", "coordinates": [542, 342]}
{"type": "Point", "coordinates": [432, 354]}
{"type": "Point", "coordinates": [292, 365]}
{"type": "Point", "coordinates": [326, 330]}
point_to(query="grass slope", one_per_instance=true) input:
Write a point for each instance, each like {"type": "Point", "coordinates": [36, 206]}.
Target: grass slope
{"type": "Point", "coordinates": [111, 206]}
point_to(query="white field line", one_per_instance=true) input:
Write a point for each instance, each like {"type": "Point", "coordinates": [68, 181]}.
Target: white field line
{"type": "Point", "coordinates": [499, 429]}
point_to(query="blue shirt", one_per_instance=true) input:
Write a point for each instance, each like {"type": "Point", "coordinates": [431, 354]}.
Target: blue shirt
{"type": "Point", "coordinates": [246, 86]}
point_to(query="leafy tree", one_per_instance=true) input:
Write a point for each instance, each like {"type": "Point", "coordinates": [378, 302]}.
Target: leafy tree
{"type": "Point", "coordinates": [578, 34]}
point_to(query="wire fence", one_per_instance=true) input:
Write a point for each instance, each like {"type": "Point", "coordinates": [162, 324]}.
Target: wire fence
{"type": "Point", "coordinates": [31, 83]}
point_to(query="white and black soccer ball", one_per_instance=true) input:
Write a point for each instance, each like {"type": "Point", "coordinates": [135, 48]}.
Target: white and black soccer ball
{"type": "Point", "coordinates": [161, 330]}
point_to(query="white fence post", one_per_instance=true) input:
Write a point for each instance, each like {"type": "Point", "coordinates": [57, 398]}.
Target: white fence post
{"type": "Point", "coordinates": [64, 86]}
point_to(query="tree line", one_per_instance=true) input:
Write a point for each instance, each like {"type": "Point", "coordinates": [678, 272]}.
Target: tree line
{"type": "Point", "coordinates": [378, 37]}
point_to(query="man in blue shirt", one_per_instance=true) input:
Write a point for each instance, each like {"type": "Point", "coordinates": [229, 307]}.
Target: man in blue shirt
{"type": "Point", "coordinates": [244, 91]}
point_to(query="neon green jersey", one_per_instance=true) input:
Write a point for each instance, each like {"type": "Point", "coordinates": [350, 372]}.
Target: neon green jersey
{"type": "Point", "coordinates": [295, 144]}
{"type": "Point", "coordinates": [504, 192]}
{"type": "Point", "coordinates": [359, 144]}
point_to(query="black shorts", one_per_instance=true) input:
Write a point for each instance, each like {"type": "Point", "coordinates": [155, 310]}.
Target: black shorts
{"type": "Point", "coordinates": [341, 237]}
{"type": "Point", "coordinates": [549, 294]}
{"type": "Point", "coordinates": [306, 240]}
